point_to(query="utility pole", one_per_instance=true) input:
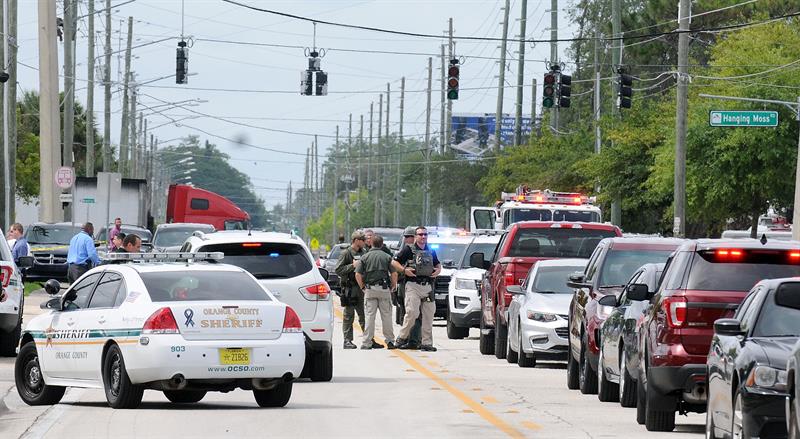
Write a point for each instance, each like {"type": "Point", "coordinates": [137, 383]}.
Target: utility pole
{"type": "Point", "coordinates": [8, 198]}
{"type": "Point", "coordinates": [69, 81]}
{"type": "Point", "coordinates": [316, 178]}
{"type": "Point", "coordinates": [679, 222]}
{"type": "Point", "coordinates": [369, 153]}
{"type": "Point", "coordinates": [533, 105]}
{"type": "Point", "coordinates": [11, 98]}
{"type": "Point", "coordinates": [554, 55]}
{"type": "Point", "coordinates": [388, 94]}
{"type": "Point", "coordinates": [361, 151]}
{"type": "Point", "coordinates": [501, 80]}
{"type": "Point", "coordinates": [616, 29]}
{"type": "Point", "coordinates": [90, 96]}
{"type": "Point", "coordinates": [597, 104]}
{"type": "Point", "coordinates": [402, 104]}
{"type": "Point", "coordinates": [123, 141]}
{"type": "Point", "coordinates": [450, 54]}
{"type": "Point", "coordinates": [132, 150]}
{"type": "Point", "coordinates": [400, 150]}
{"type": "Point", "coordinates": [378, 180]}
{"type": "Point", "coordinates": [426, 192]}
{"type": "Point", "coordinates": [107, 94]}
{"type": "Point", "coordinates": [306, 181]}
{"type": "Point", "coordinates": [335, 159]}
{"type": "Point", "coordinates": [523, 19]}
{"type": "Point", "coordinates": [49, 130]}
{"type": "Point", "coordinates": [442, 105]}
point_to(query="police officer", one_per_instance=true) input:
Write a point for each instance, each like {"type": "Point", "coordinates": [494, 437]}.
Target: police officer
{"type": "Point", "coordinates": [377, 279]}
{"type": "Point", "coordinates": [420, 266]}
{"type": "Point", "coordinates": [369, 234]}
{"type": "Point", "coordinates": [352, 297]}
{"type": "Point", "coordinates": [416, 332]}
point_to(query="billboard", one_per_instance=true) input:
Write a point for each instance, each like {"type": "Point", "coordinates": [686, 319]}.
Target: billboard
{"type": "Point", "coordinates": [474, 133]}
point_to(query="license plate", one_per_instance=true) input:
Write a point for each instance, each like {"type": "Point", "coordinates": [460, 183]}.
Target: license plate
{"type": "Point", "coordinates": [234, 356]}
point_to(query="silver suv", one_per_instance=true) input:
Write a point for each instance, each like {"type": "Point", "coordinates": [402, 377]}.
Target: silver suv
{"type": "Point", "coordinates": [11, 299]}
{"type": "Point", "coordinates": [284, 265]}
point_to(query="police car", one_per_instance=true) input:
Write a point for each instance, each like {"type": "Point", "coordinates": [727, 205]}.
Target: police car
{"type": "Point", "coordinates": [450, 247]}
{"type": "Point", "coordinates": [167, 323]}
{"type": "Point", "coordinates": [11, 299]}
{"type": "Point", "coordinates": [464, 303]}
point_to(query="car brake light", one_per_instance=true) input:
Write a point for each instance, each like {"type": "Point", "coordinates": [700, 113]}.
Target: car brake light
{"type": "Point", "coordinates": [318, 291]}
{"type": "Point", "coordinates": [161, 322]}
{"type": "Point", "coordinates": [291, 322]}
{"type": "Point", "coordinates": [675, 308]}
{"type": "Point", "coordinates": [251, 244]}
{"type": "Point", "coordinates": [729, 253]}
{"type": "Point", "coordinates": [794, 255]}
{"type": "Point", "coordinates": [508, 274]}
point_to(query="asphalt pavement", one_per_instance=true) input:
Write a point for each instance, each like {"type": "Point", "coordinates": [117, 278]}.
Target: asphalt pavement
{"type": "Point", "coordinates": [455, 392]}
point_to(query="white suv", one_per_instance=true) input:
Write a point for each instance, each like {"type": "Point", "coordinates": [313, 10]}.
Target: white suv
{"type": "Point", "coordinates": [284, 265]}
{"type": "Point", "coordinates": [463, 300]}
{"type": "Point", "coordinates": [11, 299]}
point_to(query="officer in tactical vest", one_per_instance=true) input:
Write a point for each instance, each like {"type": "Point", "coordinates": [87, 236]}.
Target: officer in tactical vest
{"type": "Point", "coordinates": [416, 332]}
{"type": "Point", "coordinates": [352, 297]}
{"type": "Point", "coordinates": [420, 266]}
{"type": "Point", "coordinates": [377, 279]}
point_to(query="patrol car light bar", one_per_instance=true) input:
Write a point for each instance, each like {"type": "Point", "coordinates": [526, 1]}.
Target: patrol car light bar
{"type": "Point", "coordinates": [163, 257]}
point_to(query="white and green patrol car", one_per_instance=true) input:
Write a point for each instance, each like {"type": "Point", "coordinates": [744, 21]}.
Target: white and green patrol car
{"type": "Point", "coordinates": [165, 323]}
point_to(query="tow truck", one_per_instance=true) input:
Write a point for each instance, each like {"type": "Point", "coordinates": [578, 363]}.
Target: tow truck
{"type": "Point", "coordinates": [525, 204]}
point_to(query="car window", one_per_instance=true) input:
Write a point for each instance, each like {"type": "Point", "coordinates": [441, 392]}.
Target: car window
{"type": "Point", "coordinates": [175, 236]}
{"type": "Point", "coordinates": [78, 295]}
{"type": "Point", "coordinates": [553, 279]}
{"type": "Point", "coordinates": [182, 286]}
{"type": "Point", "coordinates": [122, 294]}
{"type": "Point", "coordinates": [674, 276]}
{"type": "Point", "coordinates": [635, 279]}
{"type": "Point", "coordinates": [105, 295]}
{"type": "Point", "coordinates": [556, 242]}
{"type": "Point", "coordinates": [777, 321]}
{"type": "Point", "coordinates": [618, 265]}
{"type": "Point", "coordinates": [749, 315]}
{"type": "Point", "coordinates": [51, 234]}
{"type": "Point", "coordinates": [450, 253]}
{"type": "Point", "coordinates": [500, 245]}
{"type": "Point", "coordinates": [487, 248]}
{"type": "Point", "coordinates": [265, 260]}
{"type": "Point", "coordinates": [714, 271]}
{"type": "Point", "coordinates": [745, 304]}
{"type": "Point", "coordinates": [591, 267]}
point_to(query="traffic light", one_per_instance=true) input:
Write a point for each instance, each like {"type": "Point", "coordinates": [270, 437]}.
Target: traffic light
{"type": "Point", "coordinates": [307, 83]}
{"type": "Point", "coordinates": [564, 90]}
{"type": "Point", "coordinates": [322, 83]}
{"type": "Point", "coordinates": [182, 64]}
{"type": "Point", "coordinates": [549, 90]}
{"type": "Point", "coordinates": [452, 79]}
{"type": "Point", "coordinates": [625, 92]}
{"type": "Point", "coordinates": [313, 81]}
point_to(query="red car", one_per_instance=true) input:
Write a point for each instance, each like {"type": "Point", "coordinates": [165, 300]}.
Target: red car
{"type": "Point", "coordinates": [521, 246]}
{"type": "Point", "coordinates": [608, 270]}
{"type": "Point", "coordinates": [703, 281]}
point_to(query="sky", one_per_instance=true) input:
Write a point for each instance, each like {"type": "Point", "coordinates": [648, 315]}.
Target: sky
{"type": "Point", "coordinates": [267, 79]}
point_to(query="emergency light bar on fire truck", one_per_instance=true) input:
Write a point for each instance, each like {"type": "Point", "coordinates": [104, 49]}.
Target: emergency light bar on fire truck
{"type": "Point", "coordinates": [525, 195]}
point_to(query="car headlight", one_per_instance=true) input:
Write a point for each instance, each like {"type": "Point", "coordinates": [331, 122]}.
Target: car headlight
{"type": "Point", "coordinates": [541, 316]}
{"type": "Point", "coordinates": [465, 284]}
{"type": "Point", "coordinates": [767, 378]}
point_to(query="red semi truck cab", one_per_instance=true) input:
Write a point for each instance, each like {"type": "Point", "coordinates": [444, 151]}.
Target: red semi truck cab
{"type": "Point", "coordinates": [189, 204]}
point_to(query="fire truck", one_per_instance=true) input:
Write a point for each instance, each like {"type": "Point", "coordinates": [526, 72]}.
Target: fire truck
{"type": "Point", "coordinates": [526, 204]}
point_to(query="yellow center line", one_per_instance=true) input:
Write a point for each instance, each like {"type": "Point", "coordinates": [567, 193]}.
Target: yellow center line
{"type": "Point", "coordinates": [469, 402]}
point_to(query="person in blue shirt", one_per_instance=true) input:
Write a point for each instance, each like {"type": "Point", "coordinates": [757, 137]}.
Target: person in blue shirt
{"type": "Point", "coordinates": [20, 247]}
{"type": "Point", "coordinates": [82, 254]}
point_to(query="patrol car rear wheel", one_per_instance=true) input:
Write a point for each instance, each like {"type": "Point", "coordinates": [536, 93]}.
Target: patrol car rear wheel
{"type": "Point", "coordinates": [277, 397]}
{"type": "Point", "coordinates": [120, 392]}
{"type": "Point", "coordinates": [29, 380]}
{"type": "Point", "coordinates": [184, 396]}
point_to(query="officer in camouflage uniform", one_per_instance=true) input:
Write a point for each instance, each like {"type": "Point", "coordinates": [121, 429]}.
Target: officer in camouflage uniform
{"type": "Point", "coordinates": [352, 298]}
{"type": "Point", "coordinates": [415, 338]}
{"type": "Point", "coordinates": [377, 279]}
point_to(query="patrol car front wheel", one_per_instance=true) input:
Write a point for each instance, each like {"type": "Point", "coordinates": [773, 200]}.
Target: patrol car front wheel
{"type": "Point", "coordinates": [120, 392]}
{"type": "Point", "coordinates": [276, 397]}
{"type": "Point", "coordinates": [30, 382]}
{"type": "Point", "coordinates": [184, 396]}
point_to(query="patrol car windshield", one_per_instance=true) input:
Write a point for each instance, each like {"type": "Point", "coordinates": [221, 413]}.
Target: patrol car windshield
{"type": "Point", "coordinates": [517, 215]}
{"type": "Point", "coordinates": [557, 243]}
{"type": "Point", "coordinates": [487, 248]}
{"type": "Point", "coordinates": [175, 236]}
{"type": "Point", "coordinates": [182, 286]}
{"type": "Point", "coordinates": [265, 260]}
{"type": "Point", "coordinates": [449, 254]}
{"type": "Point", "coordinates": [51, 234]}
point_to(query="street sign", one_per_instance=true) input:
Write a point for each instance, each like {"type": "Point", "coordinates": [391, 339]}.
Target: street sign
{"type": "Point", "coordinates": [65, 198]}
{"type": "Point", "coordinates": [87, 200]}
{"type": "Point", "coordinates": [743, 118]}
{"type": "Point", "coordinates": [65, 177]}
{"type": "Point", "coordinates": [314, 244]}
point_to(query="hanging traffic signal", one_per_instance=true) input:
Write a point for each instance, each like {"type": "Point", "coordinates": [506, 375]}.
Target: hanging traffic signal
{"type": "Point", "coordinates": [307, 83]}
{"type": "Point", "coordinates": [182, 64]}
{"type": "Point", "coordinates": [452, 79]}
{"type": "Point", "coordinates": [549, 90]}
{"type": "Point", "coordinates": [313, 81]}
{"type": "Point", "coordinates": [322, 83]}
{"type": "Point", "coordinates": [625, 83]}
{"type": "Point", "coordinates": [564, 90]}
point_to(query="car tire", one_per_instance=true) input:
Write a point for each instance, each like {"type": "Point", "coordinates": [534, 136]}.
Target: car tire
{"type": "Point", "coordinates": [793, 428]}
{"type": "Point", "coordinates": [573, 369]}
{"type": "Point", "coordinates": [657, 420]}
{"type": "Point", "coordinates": [120, 392]}
{"type": "Point", "coordinates": [523, 360]}
{"type": "Point", "coordinates": [627, 385]}
{"type": "Point", "coordinates": [738, 427]}
{"type": "Point", "coordinates": [606, 390]}
{"type": "Point", "coordinates": [710, 428]}
{"type": "Point", "coordinates": [641, 400]}
{"type": "Point", "coordinates": [184, 396]}
{"type": "Point", "coordinates": [455, 332]}
{"type": "Point", "coordinates": [322, 366]}
{"type": "Point", "coordinates": [500, 337]}
{"type": "Point", "coordinates": [512, 356]}
{"type": "Point", "coordinates": [29, 380]}
{"type": "Point", "coordinates": [10, 340]}
{"type": "Point", "coordinates": [588, 377]}
{"type": "Point", "coordinates": [276, 397]}
{"type": "Point", "coordinates": [486, 341]}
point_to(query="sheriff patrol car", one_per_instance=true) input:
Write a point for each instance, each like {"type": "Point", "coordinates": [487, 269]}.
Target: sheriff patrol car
{"type": "Point", "coordinates": [168, 323]}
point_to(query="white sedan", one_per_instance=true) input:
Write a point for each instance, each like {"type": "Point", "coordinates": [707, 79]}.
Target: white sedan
{"type": "Point", "coordinates": [537, 315]}
{"type": "Point", "coordinates": [183, 328]}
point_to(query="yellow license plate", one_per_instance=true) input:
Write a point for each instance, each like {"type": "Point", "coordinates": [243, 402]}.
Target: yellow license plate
{"type": "Point", "coordinates": [234, 356]}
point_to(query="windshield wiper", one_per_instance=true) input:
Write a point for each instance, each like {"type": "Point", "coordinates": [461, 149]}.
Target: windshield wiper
{"type": "Point", "coordinates": [549, 292]}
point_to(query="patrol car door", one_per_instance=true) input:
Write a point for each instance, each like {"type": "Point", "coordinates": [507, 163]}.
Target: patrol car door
{"type": "Point", "coordinates": [99, 320]}
{"type": "Point", "coordinates": [63, 338]}
{"type": "Point", "coordinates": [482, 218]}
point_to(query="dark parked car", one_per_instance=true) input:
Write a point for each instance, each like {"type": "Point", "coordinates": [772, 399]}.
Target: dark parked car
{"type": "Point", "coordinates": [49, 247]}
{"type": "Point", "coordinates": [329, 264]}
{"type": "Point", "coordinates": [612, 263]}
{"type": "Point", "coordinates": [101, 237]}
{"type": "Point", "coordinates": [703, 281]}
{"type": "Point", "coordinates": [747, 378]}
{"type": "Point", "coordinates": [619, 336]}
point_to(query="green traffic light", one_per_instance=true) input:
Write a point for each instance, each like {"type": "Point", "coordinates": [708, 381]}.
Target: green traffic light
{"type": "Point", "coordinates": [452, 94]}
{"type": "Point", "coordinates": [547, 103]}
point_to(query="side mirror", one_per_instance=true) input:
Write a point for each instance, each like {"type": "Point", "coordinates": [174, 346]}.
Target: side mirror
{"type": "Point", "coordinates": [476, 260]}
{"type": "Point", "coordinates": [638, 292]}
{"type": "Point", "coordinates": [324, 273]}
{"type": "Point", "coordinates": [729, 327]}
{"type": "Point", "coordinates": [788, 295]}
{"type": "Point", "coordinates": [52, 287]}
{"type": "Point", "coordinates": [25, 261]}
{"type": "Point", "coordinates": [608, 300]}
{"type": "Point", "coordinates": [576, 280]}
{"type": "Point", "coordinates": [54, 303]}
{"type": "Point", "coordinates": [515, 289]}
